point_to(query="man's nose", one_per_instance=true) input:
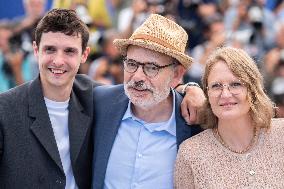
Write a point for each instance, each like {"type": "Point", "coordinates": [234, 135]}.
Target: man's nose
{"type": "Point", "coordinates": [58, 59]}
{"type": "Point", "coordinates": [139, 74]}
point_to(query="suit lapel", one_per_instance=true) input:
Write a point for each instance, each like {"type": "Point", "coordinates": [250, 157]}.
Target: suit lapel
{"type": "Point", "coordinates": [41, 127]}
{"type": "Point", "coordinates": [79, 123]}
{"type": "Point", "coordinates": [115, 112]}
{"type": "Point", "coordinates": [183, 131]}
{"type": "Point", "coordinates": [108, 127]}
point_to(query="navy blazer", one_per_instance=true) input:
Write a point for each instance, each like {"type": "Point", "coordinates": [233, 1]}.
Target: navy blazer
{"type": "Point", "coordinates": [29, 156]}
{"type": "Point", "coordinates": [110, 104]}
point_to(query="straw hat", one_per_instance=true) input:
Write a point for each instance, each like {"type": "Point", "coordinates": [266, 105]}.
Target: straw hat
{"type": "Point", "coordinates": [160, 34]}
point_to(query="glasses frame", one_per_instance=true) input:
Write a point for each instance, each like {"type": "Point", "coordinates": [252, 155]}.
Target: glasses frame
{"type": "Point", "coordinates": [138, 64]}
{"type": "Point", "coordinates": [228, 86]}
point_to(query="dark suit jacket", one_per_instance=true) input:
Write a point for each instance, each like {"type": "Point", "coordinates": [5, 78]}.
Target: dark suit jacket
{"type": "Point", "coordinates": [29, 157]}
{"type": "Point", "coordinates": [110, 106]}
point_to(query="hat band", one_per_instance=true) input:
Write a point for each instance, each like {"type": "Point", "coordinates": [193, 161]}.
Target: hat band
{"type": "Point", "coordinates": [153, 39]}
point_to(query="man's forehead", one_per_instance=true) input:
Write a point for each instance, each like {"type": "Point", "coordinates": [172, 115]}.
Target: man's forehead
{"type": "Point", "coordinates": [60, 39]}
{"type": "Point", "coordinates": [133, 52]}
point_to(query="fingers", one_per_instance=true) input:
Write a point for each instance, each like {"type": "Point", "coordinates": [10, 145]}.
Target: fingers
{"type": "Point", "coordinates": [193, 115]}
{"type": "Point", "coordinates": [185, 112]}
{"type": "Point", "coordinates": [192, 104]}
{"type": "Point", "coordinates": [189, 113]}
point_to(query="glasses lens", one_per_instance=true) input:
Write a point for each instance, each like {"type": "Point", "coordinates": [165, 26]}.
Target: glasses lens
{"type": "Point", "coordinates": [130, 66]}
{"type": "Point", "coordinates": [236, 87]}
{"type": "Point", "coordinates": [151, 70]}
{"type": "Point", "coordinates": [215, 89]}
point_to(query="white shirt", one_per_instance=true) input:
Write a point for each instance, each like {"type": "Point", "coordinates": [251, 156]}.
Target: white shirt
{"type": "Point", "coordinates": [58, 114]}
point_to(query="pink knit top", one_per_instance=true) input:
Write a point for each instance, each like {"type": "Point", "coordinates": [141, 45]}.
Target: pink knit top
{"type": "Point", "coordinates": [203, 162]}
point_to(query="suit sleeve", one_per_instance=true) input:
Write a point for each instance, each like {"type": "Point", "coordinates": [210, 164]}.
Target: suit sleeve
{"type": "Point", "coordinates": [184, 178]}
{"type": "Point", "coordinates": [1, 142]}
{"type": "Point", "coordinates": [96, 84]}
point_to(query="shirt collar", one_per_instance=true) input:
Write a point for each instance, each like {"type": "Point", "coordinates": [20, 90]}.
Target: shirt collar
{"type": "Point", "coordinates": [168, 126]}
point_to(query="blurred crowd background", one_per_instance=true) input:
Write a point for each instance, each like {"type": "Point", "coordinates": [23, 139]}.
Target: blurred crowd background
{"type": "Point", "coordinates": [257, 26]}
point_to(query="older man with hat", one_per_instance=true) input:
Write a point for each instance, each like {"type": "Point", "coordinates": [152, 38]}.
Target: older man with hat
{"type": "Point", "coordinates": [138, 126]}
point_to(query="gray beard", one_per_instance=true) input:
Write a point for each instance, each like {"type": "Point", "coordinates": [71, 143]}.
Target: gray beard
{"type": "Point", "coordinates": [157, 96]}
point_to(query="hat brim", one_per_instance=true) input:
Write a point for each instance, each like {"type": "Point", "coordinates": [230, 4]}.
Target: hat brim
{"type": "Point", "coordinates": [122, 45]}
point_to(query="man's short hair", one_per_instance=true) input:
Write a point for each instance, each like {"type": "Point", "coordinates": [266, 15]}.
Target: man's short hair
{"type": "Point", "coordinates": [64, 21]}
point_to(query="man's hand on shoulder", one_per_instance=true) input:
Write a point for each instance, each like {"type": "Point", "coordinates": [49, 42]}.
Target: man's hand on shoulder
{"type": "Point", "coordinates": [193, 101]}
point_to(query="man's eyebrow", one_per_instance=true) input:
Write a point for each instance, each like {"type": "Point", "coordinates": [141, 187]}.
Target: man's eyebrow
{"type": "Point", "coordinates": [48, 46]}
{"type": "Point", "coordinates": [71, 49]}
{"type": "Point", "coordinates": [155, 63]}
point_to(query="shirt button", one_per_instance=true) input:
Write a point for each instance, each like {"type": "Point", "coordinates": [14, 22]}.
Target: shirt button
{"type": "Point", "coordinates": [140, 155]}
{"type": "Point", "coordinates": [251, 172]}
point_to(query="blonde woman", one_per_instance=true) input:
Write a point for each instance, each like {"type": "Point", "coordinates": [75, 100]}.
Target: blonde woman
{"type": "Point", "coordinates": [243, 147]}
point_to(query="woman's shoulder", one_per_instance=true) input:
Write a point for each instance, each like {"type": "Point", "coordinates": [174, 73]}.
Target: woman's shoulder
{"type": "Point", "coordinates": [277, 122]}
{"type": "Point", "coordinates": [275, 140]}
{"type": "Point", "coordinates": [197, 142]}
{"type": "Point", "coordinates": [277, 126]}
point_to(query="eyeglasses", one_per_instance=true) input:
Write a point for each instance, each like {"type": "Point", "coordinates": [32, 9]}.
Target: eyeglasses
{"type": "Point", "coordinates": [235, 88]}
{"type": "Point", "coordinates": [149, 69]}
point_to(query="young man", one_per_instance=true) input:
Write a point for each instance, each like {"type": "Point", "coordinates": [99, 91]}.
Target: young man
{"type": "Point", "coordinates": [138, 126]}
{"type": "Point", "coordinates": [45, 125]}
